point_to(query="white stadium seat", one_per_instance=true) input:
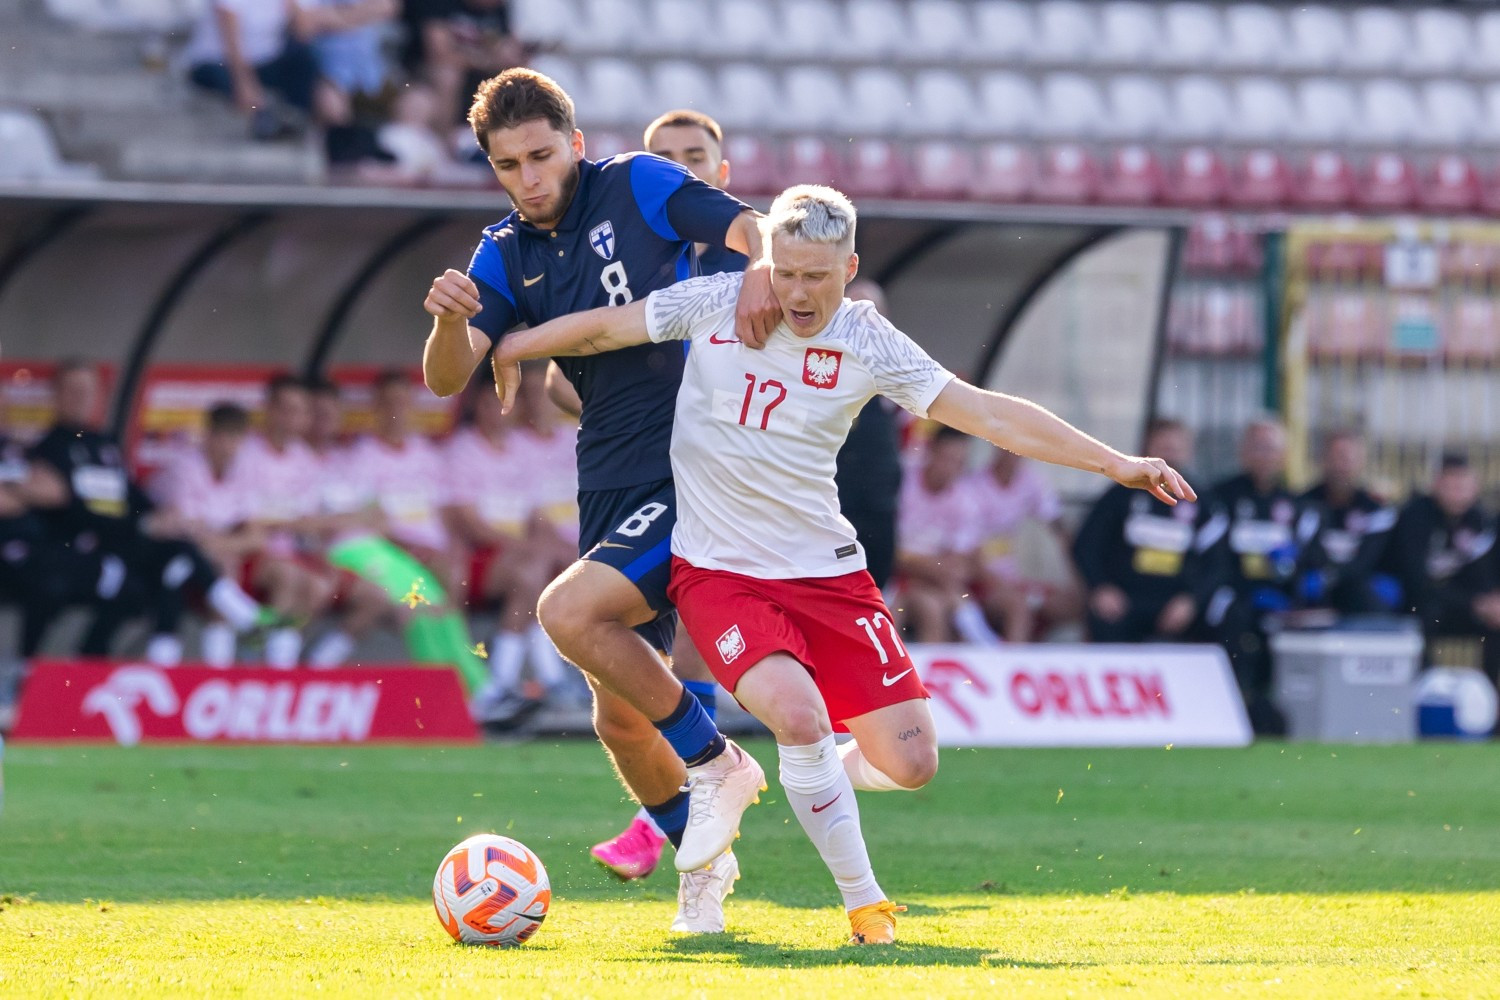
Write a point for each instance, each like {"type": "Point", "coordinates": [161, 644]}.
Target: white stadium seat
{"type": "Point", "coordinates": [1201, 109]}
{"type": "Point", "coordinates": [1066, 31]}
{"type": "Point", "coordinates": [810, 29]}
{"type": "Point", "coordinates": [815, 99]}
{"type": "Point", "coordinates": [1004, 33]}
{"type": "Point", "coordinates": [875, 30]}
{"type": "Point", "coordinates": [1390, 114]}
{"type": "Point", "coordinates": [545, 22]}
{"type": "Point", "coordinates": [1009, 105]}
{"type": "Point", "coordinates": [1485, 54]}
{"type": "Point", "coordinates": [879, 101]}
{"type": "Point", "coordinates": [618, 94]}
{"type": "Point", "coordinates": [939, 28]}
{"type": "Point", "coordinates": [1489, 132]}
{"type": "Point", "coordinates": [1256, 36]}
{"type": "Point", "coordinates": [943, 104]}
{"type": "Point", "coordinates": [1138, 107]}
{"type": "Point", "coordinates": [27, 152]}
{"type": "Point", "coordinates": [1452, 115]}
{"type": "Point", "coordinates": [608, 27]}
{"type": "Point", "coordinates": [682, 84]}
{"type": "Point", "coordinates": [748, 97]}
{"type": "Point", "coordinates": [1129, 33]}
{"type": "Point", "coordinates": [1073, 107]}
{"type": "Point", "coordinates": [1193, 35]}
{"type": "Point", "coordinates": [680, 26]}
{"type": "Point", "coordinates": [568, 74]}
{"type": "Point", "coordinates": [1380, 37]}
{"type": "Point", "coordinates": [1319, 38]}
{"type": "Point", "coordinates": [1442, 42]}
{"type": "Point", "coordinates": [746, 29]}
{"type": "Point", "coordinates": [1326, 111]}
{"type": "Point", "coordinates": [1263, 110]}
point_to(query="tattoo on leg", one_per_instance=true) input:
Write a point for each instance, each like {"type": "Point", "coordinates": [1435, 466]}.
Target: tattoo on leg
{"type": "Point", "coordinates": [908, 734]}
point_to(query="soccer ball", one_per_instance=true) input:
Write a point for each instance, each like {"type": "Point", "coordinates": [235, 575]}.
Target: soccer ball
{"type": "Point", "coordinates": [491, 890]}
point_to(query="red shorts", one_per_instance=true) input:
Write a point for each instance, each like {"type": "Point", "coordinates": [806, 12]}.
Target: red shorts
{"type": "Point", "coordinates": [838, 627]}
{"type": "Point", "coordinates": [480, 562]}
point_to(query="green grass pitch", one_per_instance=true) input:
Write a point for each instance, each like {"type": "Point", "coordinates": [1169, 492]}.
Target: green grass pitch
{"type": "Point", "coordinates": [1280, 871]}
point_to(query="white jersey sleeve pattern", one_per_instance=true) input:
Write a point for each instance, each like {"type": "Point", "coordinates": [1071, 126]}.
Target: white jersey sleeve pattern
{"type": "Point", "coordinates": [677, 312]}
{"type": "Point", "coordinates": [903, 372]}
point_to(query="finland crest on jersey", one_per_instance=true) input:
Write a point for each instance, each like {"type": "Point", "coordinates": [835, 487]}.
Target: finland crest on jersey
{"type": "Point", "coordinates": [602, 239]}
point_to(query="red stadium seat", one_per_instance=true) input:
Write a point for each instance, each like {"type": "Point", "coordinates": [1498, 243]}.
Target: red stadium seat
{"type": "Point", "coordinates": [1199, 177]}
{"type": "Point", "coordinates": [1209, 245]}
{"type": "Point", "coordinates": [602, 142]}
{"type": "Point", "coordinates": [1133, 177]}
{"type": "Point", "coordinates": [752, 164]}
{"type": "Point", "coordinates": [1325, 182]}
{"type": "Point", "coordinates": [1388, 181]}
{"type": "Point", "coordinates": [874, 170]}
{"type": "Point", "coordinates": [1069, 175]}
{"type": "Point", "coordinates": [1452, 185]}
{"type": "Point", "coordinates": [810, 160]}
{"type": "Point", "coordinates": [1260, 180]}
{"type": "Point", "coordinates": [1005, 172]}
{"type": "Point", "coordinates": [941, 170]}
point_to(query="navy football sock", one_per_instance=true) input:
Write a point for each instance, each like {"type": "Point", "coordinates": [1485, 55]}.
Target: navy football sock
{"type": "Point", "coordinates": [691, 732]}
{"type": "Point", "coordinates": [707, 693]}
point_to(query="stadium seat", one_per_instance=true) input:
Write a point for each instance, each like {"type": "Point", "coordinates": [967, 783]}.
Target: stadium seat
{"type": "Point", "coordinates": [753, 165]}
{"type": "Point", "coordinates": [807, 26]}
{"type": "Point", "coordinates": [617, 93]}
{"type": "Point", "coordinates": [1440, 42]}
{"type": "Point", "coordinates": [1256, 36]}
{"type": "Point", "coordinates": [1193, 35]}
{"type": "Point", "coordinates": [1389, 114]}
{"type": "Point", "coordinates": [1261, 179]}
{"type": "Point", "coordinates": [943, 104]}
{"type": "Point", "coordinates": [1451, 116]}
{"type": "Point", "coordinates": [1326, 111]}
{"type": "Point", "coordinates": [879, 103]}
{"type": "Point", "coordinates": [1380, 37]}
{"type": "Point", "coordinates": [1201, 109]}
{"type": "Point", "coordinates": [1138, 107]}
{"type": "Point", "coordinates": [1388, 182]}
{"type": "Point", "coordinates": [1068, 175]}
{"type": "Point", "coordinates": [602, 142]}
{"type": "Point", "coordinates": [1484, 56]}
{"type": "Point", "coordinates": [1066, 32]}
{"type": "Point", "coordinates": [1319, 38]}
{"type": "Point", "coordinates": [1133, 176]}
{"type": "Point", "coordinates": [681, 27]}
{"type": "Point", "coordinates": [680, 84]}
{"type": "Point", "coordinates": [610, 28]}
{"type": "Point", "coordinates": [941, 170]}
{"type": "Point", "coordinates": [874, 170]}
{"type": "Point", "coordinates": [746, 29]}
{"type": "Point", "coordinates": [1129, 33]}
{"type": "Point", "coordinates": [815, 99]}
{"type": "Point", "coordinates": [1073, 107]}
{"type": "Point", "coordinates": [1004, 172]}
{"type": "Point", "coordinates": [549, 23]}
{"type": "Point", "coordinates": [749, 97]}
{"type": "Point", "coordinates": [939, 28]}
{"type": "Point", "coordinates": [1005, 33]}
{"type": "Point", "coordinates": [809, 159]}
{"type": "Point", "coordinates": [567, 73]}
{"type": "Point", "coordinates": [1263, 109]}
{"type": "Point", "coordinates": [28, 153]}
{"type": "Point", "coordinates": [1451, 185]}
{"type": "Point", "coordinates": [1009, 105]}
{"type": "Point", "coordinates": [1325, 181]}
{"type": "Point", "coordinates": [1198, 178]}
{"type": "Point", "coordinates": [875, 30]}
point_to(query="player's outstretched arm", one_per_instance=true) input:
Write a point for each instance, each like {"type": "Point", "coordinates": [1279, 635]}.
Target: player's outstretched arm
{"type": "Point", "coordinates": [595, 331]}
{"type": "Point", "coordinates": [453, 350]}
{"type": "Point", "coordinates": [1023, 427]}
{"type": "Point", "coordinates": [756, 312]}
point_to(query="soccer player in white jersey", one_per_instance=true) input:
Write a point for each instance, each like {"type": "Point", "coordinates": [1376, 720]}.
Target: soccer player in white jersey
{"type": "Point", "coordinates": [767, 573]}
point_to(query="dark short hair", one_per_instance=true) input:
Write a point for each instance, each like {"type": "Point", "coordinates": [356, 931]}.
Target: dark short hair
{"type": "Point", "coordinates": [518, 96]}
{"type": "Point", "coordinates": [1345, 432]}
{"type": "Point", "coordinates": [686, 117]}
{"type": "Point", "coordinates": [1453, 461]}
{"type": "Point", "coordinates": [68, 366]}
{"type": "Point", "coordinates": [392, 376]}
{"type": "Point", "coordinates": [1164, 425]}
{"type": "Point", "coordinates": [946, 433]}
{"type": "Point", "coordinates": [320, 385]}
{"type": "Point", "coordinates": [281, 382]}
{"type": "Point", "coordinates": [228, 418]}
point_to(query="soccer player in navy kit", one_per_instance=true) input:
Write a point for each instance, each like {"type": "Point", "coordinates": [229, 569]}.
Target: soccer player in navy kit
{"type": "Point", "coordinates": [586, 234]}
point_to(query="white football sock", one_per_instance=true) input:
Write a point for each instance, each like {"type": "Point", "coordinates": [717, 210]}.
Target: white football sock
{"type": "Point", "coordinates": [972, 626]}
{"type": "Point", "coordinates": [862, 774]}
{"type": "Point", "coordinates": [164, 650]}
{"type": "Point", "coordinates": [233, 605]}
{"type": "Point", "coordinates": [331, 650]}
{"type": "Point", "coordinates": [216, 643]}
{"type": "Point", "coordinates": [649, 820]}
{"type": "Point", "coordinates": [546, 662]}
{"type": "Point", "coordinates": [507, 653]}
{"type": "Point", "coordinates": [823, 799]}
{"type": "Point", "coordinates": [283, 647]}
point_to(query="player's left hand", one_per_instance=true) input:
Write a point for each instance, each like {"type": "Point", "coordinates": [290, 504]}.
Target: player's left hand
{"type": "Point", "coordinates": [757, 312]}
{"type": "Point", "coordinates": [1155, 477]}
{"type": "Point", "coordinates": [507, 378]}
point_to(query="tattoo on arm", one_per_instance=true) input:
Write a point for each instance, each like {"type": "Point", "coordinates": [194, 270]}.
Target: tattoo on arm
{"type": "Point", "coordinates": [908, 734]}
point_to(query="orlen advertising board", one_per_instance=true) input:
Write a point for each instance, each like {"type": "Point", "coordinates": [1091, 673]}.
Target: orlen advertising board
{"type": "Point", "coordinates": [1082, 696]}
{"type": "Point", "coordinates": [130, 702]}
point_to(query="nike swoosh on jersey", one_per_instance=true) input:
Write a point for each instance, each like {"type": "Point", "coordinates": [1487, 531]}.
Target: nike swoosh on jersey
{"type": "Point", "coordinates": [528, 282]}
{"type": "Point", "coordinates": [713, 338]}
{"type": "Point", "coordinates": [612, 545]}
{"type": "Point", "coordinates": [888, 680]}
{"type": "Point", "coordinates": [818, 809]}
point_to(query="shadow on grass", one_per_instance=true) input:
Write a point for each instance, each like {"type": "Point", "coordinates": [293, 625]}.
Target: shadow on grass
{"type": "Point", "coordinates": [735, 949]}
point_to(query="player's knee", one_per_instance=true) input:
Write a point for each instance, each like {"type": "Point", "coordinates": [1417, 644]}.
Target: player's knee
{"type": "Point", "coordinates": [564, 612]}
{"type": "Point", "coordinates": [915, 767]}
{"type": "Point", "coordinates": [799, 724]}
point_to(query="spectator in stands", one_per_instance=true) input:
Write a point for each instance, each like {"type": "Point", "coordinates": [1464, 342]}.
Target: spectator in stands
{"type": "Point", "coordinates": [209, 494]}
{"type": "Point", "coordinates": [422, 154]}
{"type": "Point", "coordinates": [1444, 552]}
{"type": "Point", "coordinates": [1340, 562]}
{"type": "Point", "coordinates": [1137, 559]}
{"type": "Point", "coordinates": [463, 42]}
{"type": "Point", "coordinates": [1010, 493]}
{"type": "Point", "coordinates": [88, 500]}
{"type": "Point", "coordinates": [1249, 549]}
{"type": "Point", "coordinates": [938, 538]}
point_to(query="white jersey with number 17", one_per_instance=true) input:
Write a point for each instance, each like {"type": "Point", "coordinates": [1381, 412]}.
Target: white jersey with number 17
{"type": "Point", "coordinates": [757, 433]}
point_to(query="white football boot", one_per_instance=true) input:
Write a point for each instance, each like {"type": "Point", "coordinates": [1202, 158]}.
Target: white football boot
{"type": "Point", "coordinates": [719, 792]}
{"type": "Point", "coordinates": [701, 895]}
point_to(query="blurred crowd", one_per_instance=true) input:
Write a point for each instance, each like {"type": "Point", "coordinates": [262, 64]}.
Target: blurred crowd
{"type": "Point", "coordinates": [385, 82]}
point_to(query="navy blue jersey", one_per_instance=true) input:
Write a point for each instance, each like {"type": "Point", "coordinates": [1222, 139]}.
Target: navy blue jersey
{"type": "Point", "coordinates": [721, 260]}
{"type": "Point", "coordinates": [629, 231]}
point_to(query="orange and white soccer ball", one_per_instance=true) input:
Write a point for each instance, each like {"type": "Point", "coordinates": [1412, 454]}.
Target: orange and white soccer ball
{"type": "Point", "coordinates": [491, 890]}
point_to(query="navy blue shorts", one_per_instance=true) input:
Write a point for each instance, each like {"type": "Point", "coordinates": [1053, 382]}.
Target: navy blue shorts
{"type": "Point", "coordinates": [631, 530]}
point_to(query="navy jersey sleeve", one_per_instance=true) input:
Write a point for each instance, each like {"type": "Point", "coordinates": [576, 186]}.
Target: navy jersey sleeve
{"type": "Point", "coordinates": [677, 205]}
{"type": "Point", "coordinates": [499, 312]}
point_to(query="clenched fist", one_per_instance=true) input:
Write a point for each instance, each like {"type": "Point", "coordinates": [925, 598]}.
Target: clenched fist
{"type": "Point", "coordinates": [453, 295]}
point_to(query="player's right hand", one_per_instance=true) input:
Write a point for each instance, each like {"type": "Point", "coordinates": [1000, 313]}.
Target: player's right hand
{"type": "Point", "coordinates": [507, 378]}
{"type": "Point", "coordinates": [453, 295]}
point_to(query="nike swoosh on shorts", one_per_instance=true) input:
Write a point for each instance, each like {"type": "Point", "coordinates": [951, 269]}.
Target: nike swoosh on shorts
{"type": "Point", "coordinates": [888, 680]}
